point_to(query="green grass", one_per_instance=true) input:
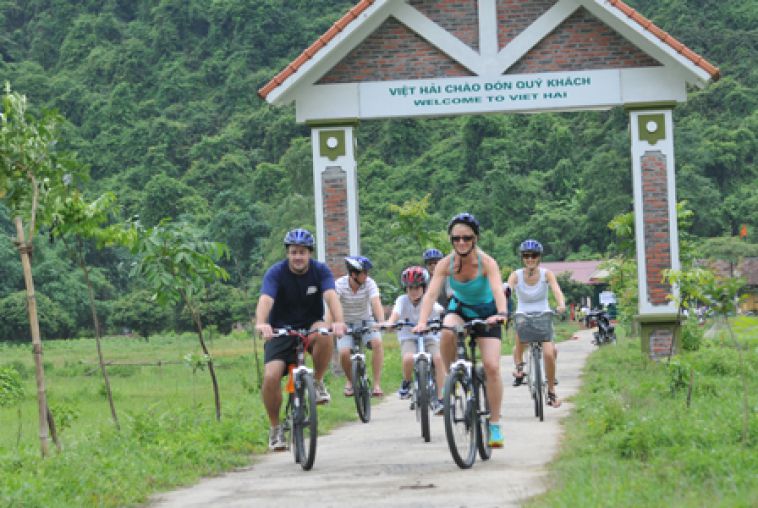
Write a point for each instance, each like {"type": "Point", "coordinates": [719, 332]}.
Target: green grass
{"type": "Point", "coordinates": [169, 435]}
{"type": "Point", "coordinates": [633, 441]}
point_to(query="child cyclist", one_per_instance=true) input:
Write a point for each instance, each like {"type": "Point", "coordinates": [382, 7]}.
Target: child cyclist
{"type": "Point", "coordinates": [415, 280]}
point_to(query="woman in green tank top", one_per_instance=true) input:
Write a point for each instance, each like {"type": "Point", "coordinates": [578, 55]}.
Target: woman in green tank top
{"type": "Point", "coordinates": [475, 279]}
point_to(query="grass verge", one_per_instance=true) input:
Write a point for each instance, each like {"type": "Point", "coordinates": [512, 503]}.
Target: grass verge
{"type": "Point", "coordinates": [634, 441]}
{"type": "Point", "coordinates": [169, 434]}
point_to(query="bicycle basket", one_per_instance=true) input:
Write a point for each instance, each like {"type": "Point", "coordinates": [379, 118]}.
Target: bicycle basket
{"type": "Point", "coordinates": [534, 327]}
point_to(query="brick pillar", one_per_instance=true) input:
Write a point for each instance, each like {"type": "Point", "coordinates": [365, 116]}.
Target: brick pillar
{"type": "Point", "coordinates": [336, 193]}
{"type": "Point", "coordinates": [655, 227]}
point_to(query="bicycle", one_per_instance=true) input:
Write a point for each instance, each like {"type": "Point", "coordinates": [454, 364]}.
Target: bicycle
{"type": "Point", "coordinates": [424, 385]}
{"type": "Point", "coordinates": [535, 328]}
{"type": "Point", "coordinates": [301, 417]}
{"type": "Point", "coordinates": [466, 408]}
{"type": "Point", "coordinates": [361, 383]}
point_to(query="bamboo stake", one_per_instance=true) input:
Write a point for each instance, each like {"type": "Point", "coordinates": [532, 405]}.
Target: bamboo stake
{"type": "Point", "coordinates": [24, 250]}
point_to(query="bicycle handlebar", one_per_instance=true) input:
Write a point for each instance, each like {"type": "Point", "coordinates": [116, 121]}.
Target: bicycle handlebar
{"type": "Point", "coordinates": [303, 332]}
{"type": "Point", "coordinates": [433, 325]}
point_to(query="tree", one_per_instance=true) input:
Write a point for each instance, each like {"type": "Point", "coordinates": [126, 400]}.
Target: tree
{"type": "Point", "coordinates": [730, 249]}
{"type": "Point", "coordinates": [137, 311]}
{"type": "Point", "coordinates": [179, 266]}
{"type": "Point", "coordinates": [77, 222]}
{"type": "Point", "coordinates": [32, 176]}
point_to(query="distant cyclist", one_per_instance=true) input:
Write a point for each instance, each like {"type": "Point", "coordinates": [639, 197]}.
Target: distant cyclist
{"type": "Point", "coordinates": [361, 303]}
{"type": "Point", "coordinates": [293, 294]}
{"type": "Point", "coordinates": [477, 286]}
{"type": "Point", "coordinates": [415, 280]}
{"type": "Point", "coordinates": [431, 258]}
{"type": "Point", "coordinates": [531, 285]}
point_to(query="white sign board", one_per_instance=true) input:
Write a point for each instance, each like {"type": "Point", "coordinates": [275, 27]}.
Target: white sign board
{"type": "Point", "coordinates": [475, 94]}
{"type": "Point", "coordinates": [607, 298]}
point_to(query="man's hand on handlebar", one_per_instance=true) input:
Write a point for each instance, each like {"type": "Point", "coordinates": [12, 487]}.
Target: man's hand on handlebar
{"type": "Point", "coordinates": [265, 330]}
{"type": "Point", "coordinates": [339, 328]}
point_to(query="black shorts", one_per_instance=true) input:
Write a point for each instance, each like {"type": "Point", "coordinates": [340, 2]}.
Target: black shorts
{"type": "Point", "coordinates": [280, 348]}
{"type": "Point", "coordinates": [493, 332]}
{"type": "Point", "coordinates": [483, 311]}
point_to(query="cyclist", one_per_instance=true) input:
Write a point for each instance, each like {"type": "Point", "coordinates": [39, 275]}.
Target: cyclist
{"type": "Point", "coordinates": [531, 285]}
{"type": "Point", "coordinates": [431, 258]}
{"type": "Point", "coordinates": [477, 286]}
{"type": "Point", "coordinates": [415, 280]}
{"type": "Point", "coordinates": [293, 294]}
{"type": "Point", "coordinates": [360, 299]}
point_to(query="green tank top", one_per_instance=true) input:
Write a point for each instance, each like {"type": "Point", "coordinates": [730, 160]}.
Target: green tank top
{"type": "Point", "coordinates": [473, 292]}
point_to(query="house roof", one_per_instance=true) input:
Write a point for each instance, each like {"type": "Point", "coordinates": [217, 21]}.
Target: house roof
{"type": "Point", "coordinates": [585, 272]}
{"type": "Point", "coordinates": [747, 268]}
{"type": "Point", "coordinates": [362, 5]}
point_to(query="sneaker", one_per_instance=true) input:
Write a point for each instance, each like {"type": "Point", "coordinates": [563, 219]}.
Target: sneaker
{"type": "Point", "coordinates": [405, 390]}
{"type": "Point", "coordinates": [276, 440]}
{"type": "Point", "coordinates": [496, 438]}
{"type": "Point", "coordinates": [322, 394]}
{"type": "Point", "coordinates": [438, 407]}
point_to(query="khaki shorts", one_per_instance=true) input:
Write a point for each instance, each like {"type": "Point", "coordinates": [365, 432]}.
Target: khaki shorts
{"type": "Point", "coordinates": [431, 345]}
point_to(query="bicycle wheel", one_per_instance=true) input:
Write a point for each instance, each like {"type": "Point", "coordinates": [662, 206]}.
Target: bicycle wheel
{"type": "Point", "coordinates": [539, 389]}
{"type": "Point", "coordinates": [482, 415]}
{"type": "Point", "coordinates": [305, 421]}
{"type": "Point", "coordinates": [362, 391]}
{"type": "Point", "coordinates": [460, 423]}
{"type": "Point", "coordinates": [530, 378]}
{"type": "Point", "coordinates": [422, 398]}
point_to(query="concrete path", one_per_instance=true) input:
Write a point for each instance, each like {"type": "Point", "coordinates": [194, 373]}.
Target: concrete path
{"type": "Point", "coordinates": [387, 463]}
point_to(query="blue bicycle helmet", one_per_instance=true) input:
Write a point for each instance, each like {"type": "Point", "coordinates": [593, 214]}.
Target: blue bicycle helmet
{"type": "Point", "coordinates": [530, 246]}
{"type": "Point", "coordinates": [299, 237]}
{"type": "Point", "coordinates": [358, 264]}
{"type": "Point", "coordinates": [432, 255]}
{"type": "Point", "coordinates": [464, 218]}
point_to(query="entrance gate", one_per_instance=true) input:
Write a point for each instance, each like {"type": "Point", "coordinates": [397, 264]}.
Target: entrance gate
{"type": "Point", "coordinates": [426, 58]}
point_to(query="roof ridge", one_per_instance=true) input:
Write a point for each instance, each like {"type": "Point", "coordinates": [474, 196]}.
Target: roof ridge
{"type": "Point", "coordinates": [361, 6]}
{"type": "Point", "coordinates": [314, 48]}
{"type": "Point", "coordinates": [666, 38]}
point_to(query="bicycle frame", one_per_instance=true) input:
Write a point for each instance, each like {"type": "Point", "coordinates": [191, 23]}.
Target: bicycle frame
{"type": "Point", "coordinates": [472, 415]}
{"type": "Point", "coordinates": [301, 416]}
{"type": "Point", "coordinates": [422, 402]}
{"type": "Point", "coordinates": [361, 383]}
{"type": "Point", "coordinates": [535, 328]}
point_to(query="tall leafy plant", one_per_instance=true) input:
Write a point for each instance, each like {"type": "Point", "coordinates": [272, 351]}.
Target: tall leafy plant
{"type": "Point", "coordinates": [76, 222]}
{"type": "Point", "coordinates": [179, 265]}
{"type": "Point", "coordinates": [33, 175]}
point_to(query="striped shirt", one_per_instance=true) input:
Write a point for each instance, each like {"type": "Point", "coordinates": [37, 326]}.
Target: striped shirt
{"type": "Point", "coordinates": [356, 306]}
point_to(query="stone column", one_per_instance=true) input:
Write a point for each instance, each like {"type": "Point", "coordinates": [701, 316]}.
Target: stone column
{"type": "Point", "coordinates": [656, 230]}
{"type": "Point", "coordinates": [336, 194]}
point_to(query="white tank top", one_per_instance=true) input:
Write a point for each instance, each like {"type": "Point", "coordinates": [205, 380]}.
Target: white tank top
{"type": "Point", "coordinates": [531, 298]}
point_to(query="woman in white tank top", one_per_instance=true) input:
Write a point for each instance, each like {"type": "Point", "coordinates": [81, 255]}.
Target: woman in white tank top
{"type": "Point", "coordinates": [531, 285]}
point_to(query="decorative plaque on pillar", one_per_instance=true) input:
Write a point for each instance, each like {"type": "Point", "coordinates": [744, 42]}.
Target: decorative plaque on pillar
{"type": "Point", "coordinates": [652, 128]}
{"type": "Point", "coordinates": [332, 144]}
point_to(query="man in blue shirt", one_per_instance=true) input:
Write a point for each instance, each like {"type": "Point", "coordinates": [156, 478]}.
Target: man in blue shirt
{"type": "Point", "coordinates": [293, 294]}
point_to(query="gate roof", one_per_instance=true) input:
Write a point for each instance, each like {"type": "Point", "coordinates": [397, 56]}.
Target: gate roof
{"type": "Point", "coordinates": [486, 39]}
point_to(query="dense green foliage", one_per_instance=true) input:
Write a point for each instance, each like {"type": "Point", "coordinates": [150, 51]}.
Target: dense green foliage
{"type": "Point", "coordinates": [160, 103]}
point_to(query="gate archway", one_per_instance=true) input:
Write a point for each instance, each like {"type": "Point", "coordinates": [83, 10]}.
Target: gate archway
{"type": "Point", "coordinates": [425, 58]}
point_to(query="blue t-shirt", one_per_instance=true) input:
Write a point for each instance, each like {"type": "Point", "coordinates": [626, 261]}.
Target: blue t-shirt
{"type": "Point", "coordinates": [298, 299]}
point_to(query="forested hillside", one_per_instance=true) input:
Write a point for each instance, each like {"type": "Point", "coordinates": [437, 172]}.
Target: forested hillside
{"type": "Point", "coordinates": [160, 100]}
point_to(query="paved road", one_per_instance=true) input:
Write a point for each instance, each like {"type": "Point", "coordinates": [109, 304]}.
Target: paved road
{"type": "Point", "coordinates": [387, 463]}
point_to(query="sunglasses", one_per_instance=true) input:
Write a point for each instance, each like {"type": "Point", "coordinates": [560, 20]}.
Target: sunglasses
{"type": "Point", "coordinates": [463, 238]}
{"type": "Point", "coordinates": [530, 255]}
